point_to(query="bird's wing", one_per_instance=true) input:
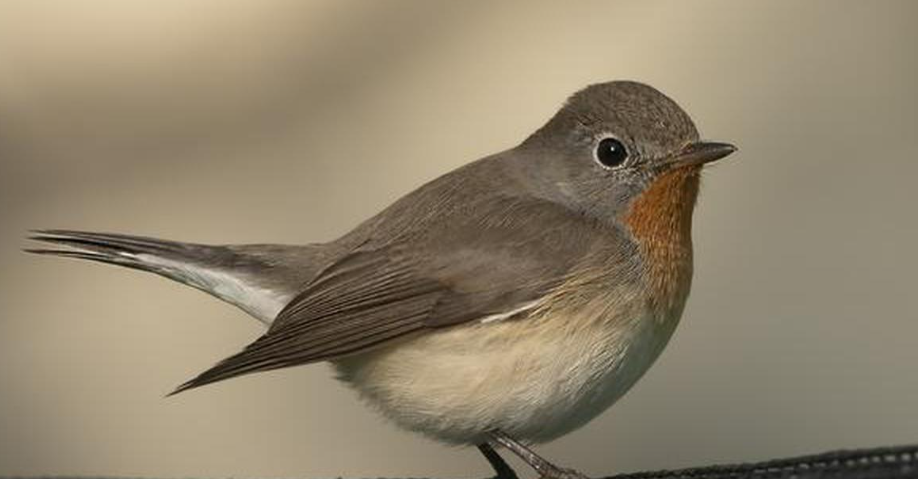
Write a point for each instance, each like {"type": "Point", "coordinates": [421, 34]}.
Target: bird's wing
{"type": "Point", "coordinates": [485, 265]}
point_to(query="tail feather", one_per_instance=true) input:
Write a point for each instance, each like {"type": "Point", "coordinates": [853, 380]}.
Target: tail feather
{"type": "Point", "coordinates": [235, 275]}
{"type": "Point", "coordinates": [145, 254]}
{"type": "Point", "coordinates": [107, 240]}
{"type": "Point", "coordinates": [121, 250]}
{"type": "Point", "coordinates": [68, 254]}
{"type": "Point", "coordinates": [260, 279]}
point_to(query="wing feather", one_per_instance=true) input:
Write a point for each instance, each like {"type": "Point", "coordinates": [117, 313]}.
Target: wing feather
{"type": "Point", "coordinates": [380, 292]}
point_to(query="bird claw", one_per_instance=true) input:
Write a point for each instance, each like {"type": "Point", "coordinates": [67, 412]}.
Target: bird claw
{"type": "Point", "coordinates": [556, 472]}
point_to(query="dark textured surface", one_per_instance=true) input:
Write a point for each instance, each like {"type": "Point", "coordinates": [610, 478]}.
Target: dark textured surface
{"type": "Point", "coordinates": [890, 462]}
{"type": "Point", "coordinates": [878, 463]}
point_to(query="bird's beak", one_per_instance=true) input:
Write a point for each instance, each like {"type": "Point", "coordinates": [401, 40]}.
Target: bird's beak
{"type": "Point", "coordinates": [701, 152]}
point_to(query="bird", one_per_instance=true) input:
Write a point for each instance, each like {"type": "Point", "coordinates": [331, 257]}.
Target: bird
{"type": "Point", "coordinates": [501, 305]}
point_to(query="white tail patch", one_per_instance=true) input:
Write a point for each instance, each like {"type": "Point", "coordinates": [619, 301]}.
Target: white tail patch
{"type": "Point", "coordinates": [262, 304]}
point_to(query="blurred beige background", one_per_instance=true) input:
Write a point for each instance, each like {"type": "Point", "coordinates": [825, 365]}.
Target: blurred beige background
{"type": "Point", "coordinates": [291, 121]}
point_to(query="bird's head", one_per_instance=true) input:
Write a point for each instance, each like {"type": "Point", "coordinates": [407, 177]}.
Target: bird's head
{"type": "Point", "coordinates": [613, 143]}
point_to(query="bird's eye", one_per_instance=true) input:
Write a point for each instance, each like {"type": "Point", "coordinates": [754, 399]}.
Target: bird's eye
{"type": "Point", "coordinates": [611, 153]}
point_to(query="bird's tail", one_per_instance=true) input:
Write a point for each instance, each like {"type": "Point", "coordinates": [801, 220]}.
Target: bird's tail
{"type": "Point", "coordinates": [253, 278]}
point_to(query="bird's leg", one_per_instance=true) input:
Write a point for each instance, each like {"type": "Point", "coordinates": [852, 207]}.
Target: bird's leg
{"type": "Point", "coordinates": [544, 468]}
{"type": "Point", "coordinates": [503, 470]}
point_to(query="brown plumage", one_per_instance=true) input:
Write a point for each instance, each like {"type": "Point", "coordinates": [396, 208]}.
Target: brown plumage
{"type": "Point", "coordinates": [660, 220]}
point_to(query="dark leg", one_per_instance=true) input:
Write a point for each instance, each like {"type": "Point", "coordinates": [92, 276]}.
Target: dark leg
{"type": "Point", "coordinates": [503, 470]}
{"type": "Point", "coordinates": [545, 469]}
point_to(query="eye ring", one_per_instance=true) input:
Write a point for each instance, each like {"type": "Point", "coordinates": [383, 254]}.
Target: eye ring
{"type": "Point", "coordinates": [610, 153]}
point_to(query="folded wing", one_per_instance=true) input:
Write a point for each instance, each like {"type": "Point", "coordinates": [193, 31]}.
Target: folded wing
{"type": "Point", "coordinates": [485, 265]}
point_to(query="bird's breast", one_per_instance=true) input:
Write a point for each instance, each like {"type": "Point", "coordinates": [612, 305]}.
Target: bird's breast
{"type": "Point", "coordinates": [660, 221]}
{"type": "Point", "coordinates": [573, 354]}
{"type": "Point", "coordinates": [536, 378]}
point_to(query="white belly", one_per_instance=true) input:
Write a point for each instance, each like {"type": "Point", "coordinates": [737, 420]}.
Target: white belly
{"type": "Point", "coordinates": [535, 378]}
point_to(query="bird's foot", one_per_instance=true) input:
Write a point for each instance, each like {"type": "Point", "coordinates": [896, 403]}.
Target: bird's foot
{"type": "Point", "coordinates": [555, 472]}
{"type": "Point", "coordinates": [545, 469]}
{"type": "Point", "coordinates": [503, 470]}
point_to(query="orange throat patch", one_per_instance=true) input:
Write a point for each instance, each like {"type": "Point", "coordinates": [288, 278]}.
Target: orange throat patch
{"type": "Point", "coordinates": [660, 220]}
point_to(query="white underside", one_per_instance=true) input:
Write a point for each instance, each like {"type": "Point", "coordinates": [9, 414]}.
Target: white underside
{"type": "Point", "coordinates": [535, 378]}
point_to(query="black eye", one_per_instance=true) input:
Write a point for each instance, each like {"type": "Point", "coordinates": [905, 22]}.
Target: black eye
{"type": "Point", "coordinates": [611, 152]}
